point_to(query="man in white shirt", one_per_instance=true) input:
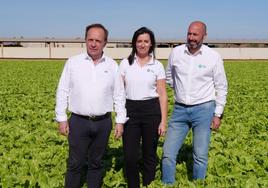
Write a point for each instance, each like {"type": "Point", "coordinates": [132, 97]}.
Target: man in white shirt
{"type": "Point", "coordinates": [90, 85]}
{"type": "Point", "coordinates": [197, 75]}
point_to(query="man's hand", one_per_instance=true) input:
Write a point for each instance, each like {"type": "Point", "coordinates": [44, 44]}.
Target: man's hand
{"type": "Point", "coordinates": [162, 129]}
{"type": "Point", "coordinates": [63, 128]}
{"type": "Point", "coordinates": [216, 122]}
{"type": "Point", "coordinates": [119, 129]}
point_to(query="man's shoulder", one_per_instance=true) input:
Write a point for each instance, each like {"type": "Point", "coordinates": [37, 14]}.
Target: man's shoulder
{"type": "Point", "coordinates": [177, 51]}
{"type": "Point", "coordinates": [109, 59]}
{"type": "Point", "coordinates": [124, 62]}
{"type": "Point", "coordinates": [180, 47]}
{"type": "Point", "coordinates": [77, 57]}
{"type": "Point", "coordinates": [110, 62]}
{"type": "Point", "coordinates": [210, 51]}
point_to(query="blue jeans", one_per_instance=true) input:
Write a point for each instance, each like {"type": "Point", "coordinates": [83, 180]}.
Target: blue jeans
{"type": "Point", "coordinates": [199, 118]}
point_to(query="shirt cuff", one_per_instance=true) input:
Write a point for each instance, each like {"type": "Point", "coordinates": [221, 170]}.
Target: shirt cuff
{"type": "Point", "coordinates": [61, 118]}
{"type": "Point", "coordinates": [219, 110]}
{"type": "Point", "coordinates": [121, 120]}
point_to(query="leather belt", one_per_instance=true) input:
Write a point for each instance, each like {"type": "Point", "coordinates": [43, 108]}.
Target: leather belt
{"type": "Point", "coordinates": [191, 105]}
{"type": "Point", "coordinates": [94, 118]}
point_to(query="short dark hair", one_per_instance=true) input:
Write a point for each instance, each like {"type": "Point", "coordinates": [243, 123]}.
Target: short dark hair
{"type": "Point", "coordinates": [140, 31]}
{"type": "Point", "coordinates": [97, 25]}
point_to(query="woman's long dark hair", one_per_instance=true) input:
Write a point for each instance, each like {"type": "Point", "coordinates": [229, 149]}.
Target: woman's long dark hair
{"type": "Point", "coordinates": [140, 31]}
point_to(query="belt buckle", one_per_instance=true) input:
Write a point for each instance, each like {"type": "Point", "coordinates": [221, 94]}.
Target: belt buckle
{"type": "Point", "coordinates": [92, 117]}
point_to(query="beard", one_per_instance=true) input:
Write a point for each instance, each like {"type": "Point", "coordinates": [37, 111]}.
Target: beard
{"type": "Point", "coordinates": [194, 45]}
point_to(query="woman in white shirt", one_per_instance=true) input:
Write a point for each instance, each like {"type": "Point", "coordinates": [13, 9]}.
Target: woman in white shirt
{"type": "Point", "coordinates": [146, 104]}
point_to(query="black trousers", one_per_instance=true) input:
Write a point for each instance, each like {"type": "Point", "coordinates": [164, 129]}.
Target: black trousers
{"type": "Point", "coordinates": [87, 143]}
{"type": "Point", "coordinates": [141, 133]}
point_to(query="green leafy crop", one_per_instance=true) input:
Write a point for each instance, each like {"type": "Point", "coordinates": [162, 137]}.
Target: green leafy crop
{"type": "Point", "coordinates": [33, 154]}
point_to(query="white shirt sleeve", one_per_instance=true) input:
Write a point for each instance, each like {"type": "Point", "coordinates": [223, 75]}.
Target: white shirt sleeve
{"type": "Point", "coordinates": [119, 97]}
{"type": "Point", "coordinates": [161, 72]}
{"type": "Point", "coordinates": [220, 84]}
{"type": "Point", "coordinates": [169, 79]}
{"type": "Point", "coordinates": [122, 67]}
{"type": "Point", "coordinates": [63, 94]}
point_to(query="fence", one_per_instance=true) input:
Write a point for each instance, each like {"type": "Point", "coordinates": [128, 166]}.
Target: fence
{"type": "Point", "coordinates": [62, 49]}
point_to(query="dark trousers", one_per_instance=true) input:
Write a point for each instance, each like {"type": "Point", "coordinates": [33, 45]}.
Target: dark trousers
{"type": "Point", "coordinates": [145, 117]}
{"type": "Point", "coordinates": [87, 143]}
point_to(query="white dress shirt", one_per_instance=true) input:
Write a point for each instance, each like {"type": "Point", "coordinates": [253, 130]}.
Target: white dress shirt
{"type": "Point", "coordinates": [141, 81]}
{"type": "Point", "coordinates": [197, 78]}
{"type": "Point", "coordinates": [90, 90]}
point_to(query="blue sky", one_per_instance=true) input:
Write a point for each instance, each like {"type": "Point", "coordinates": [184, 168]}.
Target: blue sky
{"type": "Point", "coordinates": [169, 19]}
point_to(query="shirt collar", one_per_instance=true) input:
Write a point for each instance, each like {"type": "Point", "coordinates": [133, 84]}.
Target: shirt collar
{"type": "Point", "coordinates": [102, 59]}
{"type": "Point", "coordinates": [151, 62]}
{"type": "Point", "coordinates": [200, 51]}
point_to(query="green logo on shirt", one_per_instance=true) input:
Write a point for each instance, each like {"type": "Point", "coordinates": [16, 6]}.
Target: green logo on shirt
{"type": "Point", "coordinates": [150, 70]}
{"type": "Point", "coordinates": [201, 66]}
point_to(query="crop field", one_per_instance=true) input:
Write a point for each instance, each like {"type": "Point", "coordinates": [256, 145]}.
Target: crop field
{"type": "Point", "coordinates": [33, 154]}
